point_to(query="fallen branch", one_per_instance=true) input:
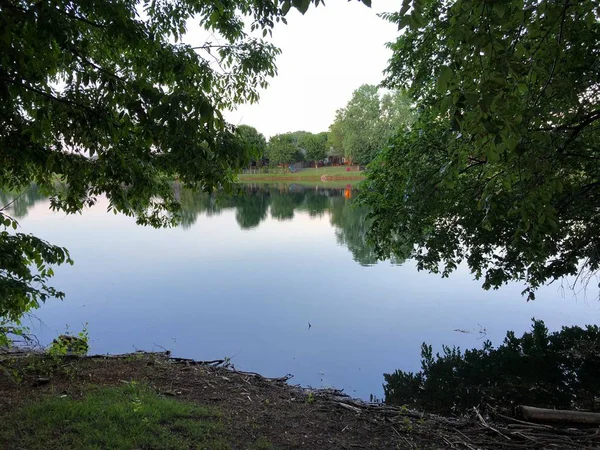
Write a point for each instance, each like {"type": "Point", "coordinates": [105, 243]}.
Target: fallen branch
{"type": "Point", "coordinates": [484, 423]}
{"type": "Point", "coordinates": [350, 407]}
{"type": "Point", "coordinates": [559, 416]}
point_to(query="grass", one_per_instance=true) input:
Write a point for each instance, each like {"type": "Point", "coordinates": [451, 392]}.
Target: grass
{"type": "Point", "coordinates": [306, 177]}
{"type": "Point", "coordinates": [306, 173]}
{"type": "Point", "coordinates": [307, 183]}
{"type": "Point", "coordinates": [125, 417]}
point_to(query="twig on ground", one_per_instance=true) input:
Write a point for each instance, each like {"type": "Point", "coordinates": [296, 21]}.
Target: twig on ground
{"type": "Point", "coordinates": [484, 423]}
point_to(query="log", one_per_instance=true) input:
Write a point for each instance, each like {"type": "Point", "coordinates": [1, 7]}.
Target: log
{"type": "Point", "coordinates": [531, 413]}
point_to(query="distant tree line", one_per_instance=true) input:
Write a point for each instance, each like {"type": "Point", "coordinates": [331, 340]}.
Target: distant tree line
{"type": "Point", "coordinates": [359, 132]}
{"type": "Point", "coordinates": [297, 146]}
{"type": "Point", "coordinates": [284, 148]}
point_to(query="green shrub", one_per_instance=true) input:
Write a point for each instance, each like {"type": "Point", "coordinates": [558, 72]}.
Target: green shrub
{"type": "Point", "coordinates": [552, 370]}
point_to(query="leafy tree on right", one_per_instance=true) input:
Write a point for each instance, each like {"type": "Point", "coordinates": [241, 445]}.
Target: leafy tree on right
{"type": "Point", "coordinates": [502, 167]}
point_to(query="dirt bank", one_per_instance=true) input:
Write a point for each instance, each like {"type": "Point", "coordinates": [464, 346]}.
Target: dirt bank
{"type": "Point", "coordinates": [254, 407]}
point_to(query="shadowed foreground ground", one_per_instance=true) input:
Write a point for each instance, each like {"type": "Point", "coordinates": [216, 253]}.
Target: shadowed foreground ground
{"type": "Point", "coordinates": [151, 401]}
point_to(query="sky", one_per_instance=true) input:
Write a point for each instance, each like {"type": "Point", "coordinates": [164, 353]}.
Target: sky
{"type": "Point", "coordinates": [326, 55]}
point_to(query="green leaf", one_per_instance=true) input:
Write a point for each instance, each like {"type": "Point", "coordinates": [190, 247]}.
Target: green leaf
{"type": "Point", "coordinates": [301, 5]}
{"type": "Point", "coordinates": [472, 98]}
{"type": "Point", "coordinates": [499, 8]}
{"type": "Point", "coordinates": [405, 7]}
{"type": "Point", "coordinates": [444, 77]}
{"type": "Point", "coordinates": [446, 103]}
{"type": "Point", "coordinates": [416, 19]}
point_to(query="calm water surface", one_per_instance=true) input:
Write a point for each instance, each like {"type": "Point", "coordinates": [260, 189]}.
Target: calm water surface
{"type": "Point", "coordinates": [244, 277]}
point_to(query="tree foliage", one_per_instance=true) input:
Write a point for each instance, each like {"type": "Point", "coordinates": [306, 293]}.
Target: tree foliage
{"type": "Point", "coordinates": [25, 262]}
{"type": "Point", "coordinates": [314, 146]}
{"type": "Point", "coordinates": [501, 171]}
{"type": "Point", "coordinates": [282, 149]}
{"type": "Point", "coordinates": [550, 370]}
{"type": "Point", "coordinates": [363, 127]}
{"type": "Point", "coordinates": [105, 97]}
{"type": "Point", "coordinates": [297, 146]}
{"type": "Point", "coordinates": [252, 141]}
{"type": "Point", "coordinates": [335, 137]}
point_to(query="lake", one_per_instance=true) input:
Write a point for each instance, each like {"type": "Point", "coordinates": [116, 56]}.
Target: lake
{"type": "Point", "coordinates": [243, 277]}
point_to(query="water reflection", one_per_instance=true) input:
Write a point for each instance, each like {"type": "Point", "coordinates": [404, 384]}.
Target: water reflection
{"type": "Point", "coordinates": [257, 202]}
{"type": "Point", "coordinates": [254, 204]}
{"type": "Point", "coordinates": [21, 202]}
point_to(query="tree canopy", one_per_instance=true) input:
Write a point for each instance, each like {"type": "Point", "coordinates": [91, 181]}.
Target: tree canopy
{"type": "Point", "coordinates": [104, 98]}
{"type": "Point", "coordinates": [363, 127]}
{"type": "Point", "coordinates": [501, 169]}
{"type": "Point", "coordinates": [282, 149]}
{"type": "Point", "coordinates": [297, 146]}
{"type": "Point", "coordinates": [252, 141]}
{"type": "Point", "coordinates": [314, 146]}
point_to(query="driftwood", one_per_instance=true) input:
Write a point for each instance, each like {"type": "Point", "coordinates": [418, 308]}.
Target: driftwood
{"type": "Point", "coordinates": [559, 416]}
{"type": "Point", "coordinates": [473, 432]}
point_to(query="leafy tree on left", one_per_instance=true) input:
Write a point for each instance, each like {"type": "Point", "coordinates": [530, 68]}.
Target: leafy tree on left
{"type": "Point", "coordinates": [105, 99]}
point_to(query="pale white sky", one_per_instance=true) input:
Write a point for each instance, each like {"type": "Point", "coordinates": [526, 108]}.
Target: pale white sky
{"type": "Point", "coordinates": [326, 54]}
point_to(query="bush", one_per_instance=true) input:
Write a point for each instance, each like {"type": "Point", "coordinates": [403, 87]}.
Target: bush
{"type": "Point", "coordinates": [551, 370]}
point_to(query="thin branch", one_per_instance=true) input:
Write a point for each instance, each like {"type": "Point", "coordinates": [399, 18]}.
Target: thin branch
{"type": "Point", "coordinates": [579, 128]}
{"type": "Point", "coordinates": [97, 67]}
{"type": "Point", "coordinates": [49, 96]}
{"type": "Point", "coordinates": [560, 32]}
{"type": "Point", "coordinates": [81, 19]}
{"type": "Point", "coordinates": [207, 47]}
{"type": "Point", "coordinates": [577, 155]}
{"type": "Point", "coordinates": [8, 205]}
{"type": "Point", "coordinates": [58, 10]}
{"type": "Point", "coordinates": [475, 164]}
{"type": "Point", "coordinates": [533, 55]}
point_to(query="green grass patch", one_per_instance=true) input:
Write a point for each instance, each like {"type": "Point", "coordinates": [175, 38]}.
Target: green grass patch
{"type": "Point", "coordinates": [330, 170]}
{"type": "Point", "coordinates": [309, 177]}
{"type": "Point", "coordinates": [310, 173]}
{"type": "Point", "coordinates": [262, 444]}
{"type": "Point", "coordinates": [126, 417]}
{"type": "Point", "coordinates": [307, 183]}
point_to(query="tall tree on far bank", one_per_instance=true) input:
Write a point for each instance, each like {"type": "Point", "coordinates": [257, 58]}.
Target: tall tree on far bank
{"type": "Point", "coordinates": [502, 170]}
{"type": "Point", "coordinates": [335, 136]}
{"type": "Point", "coordinates": [359, 125]}
{"type": "Point", "coordinates": [369, 120]}
{"type": "Point", "coordinates": [395, 112]}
